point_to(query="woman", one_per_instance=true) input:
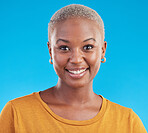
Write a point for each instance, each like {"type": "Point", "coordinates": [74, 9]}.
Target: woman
{"type": "Point", "coordinates": [76, 47]}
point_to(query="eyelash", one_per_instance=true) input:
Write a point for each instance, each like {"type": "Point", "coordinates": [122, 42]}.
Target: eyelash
{"type": "Point", "coordinates": [63, 47]}
{"type": "Point", "coordinates": [86, 47]}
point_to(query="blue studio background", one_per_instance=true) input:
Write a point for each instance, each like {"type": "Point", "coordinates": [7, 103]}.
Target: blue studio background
{"type": "Point", "coordinates": [24, 57]}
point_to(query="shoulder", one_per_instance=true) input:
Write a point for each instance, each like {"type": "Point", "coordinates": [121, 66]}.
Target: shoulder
{"type": "Point", "coordinates": [24, 98]}
{"type": "Point", "coordinates": [119, 111]}
{"type": "Point", "coordinates": [18, 104]}
{"type": "Point", "coordinates": [25, 101]}
{"type": "Point", "coordinates": [115, 106]}
{"type": "Point", "coordinates": [123, 117]}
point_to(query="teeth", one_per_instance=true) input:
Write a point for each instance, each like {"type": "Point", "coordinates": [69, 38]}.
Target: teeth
{"type": "Point", "coordinates": [77, 72]}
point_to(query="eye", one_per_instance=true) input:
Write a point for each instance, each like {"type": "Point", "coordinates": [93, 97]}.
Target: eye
{"type": "Point", "coordinates": [64, 48]}
{"type": "Point", "coordinates": [88, 47]}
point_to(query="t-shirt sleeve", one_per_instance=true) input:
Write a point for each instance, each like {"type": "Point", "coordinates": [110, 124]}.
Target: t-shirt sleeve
{"type": "Point", "coordinates": [138, 126]}
{"type": "Point", "coordinates": [7, 119]}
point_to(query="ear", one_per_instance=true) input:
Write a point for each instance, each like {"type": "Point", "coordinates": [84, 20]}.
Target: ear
{"type": "Point", "coordinates": [49, 48]}
{"type": "Point", "coordinates": [104, 46]}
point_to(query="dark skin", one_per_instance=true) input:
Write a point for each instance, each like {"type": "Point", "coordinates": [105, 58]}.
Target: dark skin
{"type": "Point", "coordinates": [75, 44]}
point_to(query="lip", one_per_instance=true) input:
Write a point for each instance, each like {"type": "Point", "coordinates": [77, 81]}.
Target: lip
{"type": "Point", "coordinates": [76, 76]}
{"type": "Point", "coordinates": [75, 69]}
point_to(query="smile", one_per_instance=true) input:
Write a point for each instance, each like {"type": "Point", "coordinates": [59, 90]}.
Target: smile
{"type": "Point", "coordinates": [77, 72]}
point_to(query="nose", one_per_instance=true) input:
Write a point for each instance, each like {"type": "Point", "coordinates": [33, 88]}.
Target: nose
{"type": "Point", "coordinates": [76, 56]}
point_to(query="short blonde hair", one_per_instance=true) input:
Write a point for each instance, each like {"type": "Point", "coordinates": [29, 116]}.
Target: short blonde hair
{"type": "Point", "coordinates": [72, 11]}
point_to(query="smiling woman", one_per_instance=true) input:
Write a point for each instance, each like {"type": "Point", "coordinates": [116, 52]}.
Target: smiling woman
{"type": "Point", "coordinates": [80, 47]}
{"type": "Point", "coordinates": [76, 47]}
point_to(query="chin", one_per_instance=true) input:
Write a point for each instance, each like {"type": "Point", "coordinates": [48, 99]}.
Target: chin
{"type": "Point", "coordinates": [77, 84]}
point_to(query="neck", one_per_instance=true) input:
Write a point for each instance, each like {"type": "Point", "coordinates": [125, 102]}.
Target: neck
{"type": "Point", "coordinates": [74, 95]}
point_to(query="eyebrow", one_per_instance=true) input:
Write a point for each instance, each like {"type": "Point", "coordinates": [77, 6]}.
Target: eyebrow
{"type": "Point", "coordinates": [89, 39]}
{"type": "Point", "coordinates": [66, 41]}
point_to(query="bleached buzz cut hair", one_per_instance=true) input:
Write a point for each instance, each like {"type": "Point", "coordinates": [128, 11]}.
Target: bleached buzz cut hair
{"type": "Point", "coordinates": [74, 11]}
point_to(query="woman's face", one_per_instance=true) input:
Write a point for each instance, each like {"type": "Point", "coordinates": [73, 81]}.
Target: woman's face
{"type": "Point", "coordinates": [77, 47]}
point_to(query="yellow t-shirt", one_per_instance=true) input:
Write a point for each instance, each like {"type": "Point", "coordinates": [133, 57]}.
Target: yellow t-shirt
{"type": "Point", "coordinates": [29, 114]}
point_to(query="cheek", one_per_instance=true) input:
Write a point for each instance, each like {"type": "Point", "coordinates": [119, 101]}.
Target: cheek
{"type": "Point", "coordinates": [59, 59]}
{"type": "Point", "coordinates": [94, 61]}
{"type": "Point", "coordinates": [95, 58]}
{"type": "Point", "coordinates": [59, 62]}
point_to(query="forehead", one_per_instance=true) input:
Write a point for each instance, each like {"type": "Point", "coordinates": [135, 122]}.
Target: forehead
{"type": "Point", "coordinates": [77, 28]}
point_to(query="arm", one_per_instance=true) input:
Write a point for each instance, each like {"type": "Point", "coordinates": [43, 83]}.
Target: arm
{"type": "Point", "coordinates": [138, 126]}
{"type": "Point", "coordinates": [7, 119]}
